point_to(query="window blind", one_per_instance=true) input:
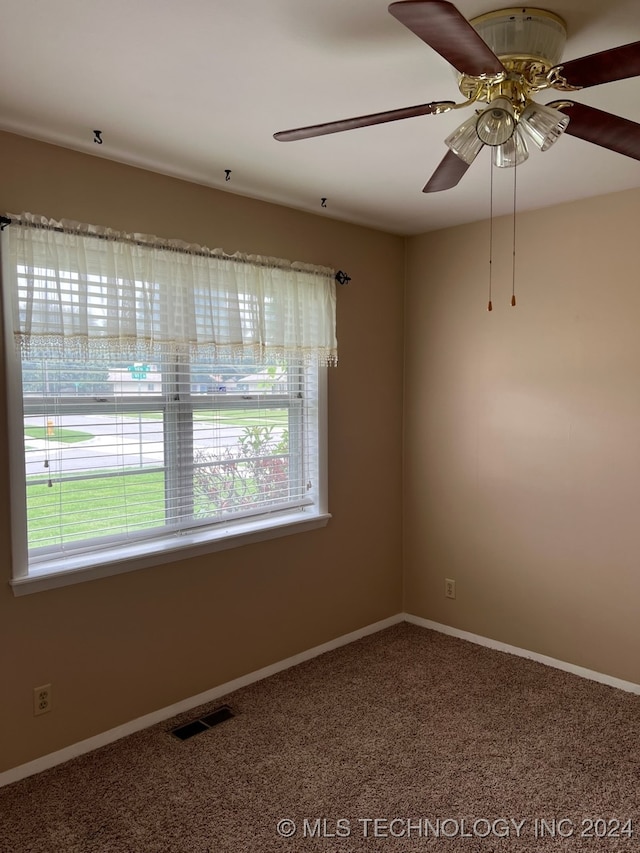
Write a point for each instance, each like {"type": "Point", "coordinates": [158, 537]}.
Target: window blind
{"type": "Point", "coordinates": [118, 451]}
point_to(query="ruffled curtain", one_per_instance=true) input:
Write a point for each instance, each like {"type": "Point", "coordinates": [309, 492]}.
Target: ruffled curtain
{"type": "Point", "coordinates": [78, 289]}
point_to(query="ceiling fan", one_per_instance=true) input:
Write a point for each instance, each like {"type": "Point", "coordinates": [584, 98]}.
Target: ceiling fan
{"type": "Point", "coordinates": [503, 59]}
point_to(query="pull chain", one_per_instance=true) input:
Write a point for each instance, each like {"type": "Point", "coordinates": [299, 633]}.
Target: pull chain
{"type": "Point", "coordinates": [513, 265]}
{"type": "Point", "coordinates": [490, 305]}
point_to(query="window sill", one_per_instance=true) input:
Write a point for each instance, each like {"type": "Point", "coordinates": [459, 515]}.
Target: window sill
{"type": "Point", "coordinates": [142, 555]}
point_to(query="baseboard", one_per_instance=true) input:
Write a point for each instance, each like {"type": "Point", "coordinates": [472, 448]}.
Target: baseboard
{"type": "Point", "coordinates": [591, 675]}
{"type": "Point", "coordinates": [60, 756]}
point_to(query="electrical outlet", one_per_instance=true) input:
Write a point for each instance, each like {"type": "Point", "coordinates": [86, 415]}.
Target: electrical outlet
{"type": "Point", "coordinates": [449, 588]}
{"type": "Point", "coordinates": [41, 700]}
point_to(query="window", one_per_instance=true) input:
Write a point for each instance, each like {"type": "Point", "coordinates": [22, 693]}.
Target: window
{"type": "Point", "coordinates": [155, 409]}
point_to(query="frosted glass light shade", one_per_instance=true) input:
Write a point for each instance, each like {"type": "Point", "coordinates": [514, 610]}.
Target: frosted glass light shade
{"type": "Point", "coordinates": [542, 124]}
{"type": "Point", "coordinates": [464, 141]}
{"type": "Point", "coordinates": [531, 33]}
{"type": "Point", "coordinates": [496, 124]}
{"type": "Point", "coordinates": [512, 152]}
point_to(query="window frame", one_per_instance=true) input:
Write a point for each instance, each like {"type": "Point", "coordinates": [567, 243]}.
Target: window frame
{"type": "Point", "coordinates": [149, 551]}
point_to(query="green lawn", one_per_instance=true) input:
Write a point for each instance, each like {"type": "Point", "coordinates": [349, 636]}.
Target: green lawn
{"type": "Point", "coordinates": [94, 507]}
{"type": "Point", "coordinates": [91, 507]}
{"type": "Point", "coordinates": [69, 436]}
{"type": "Point", "coordinates": [244, 417]}
{"type": "Point", "coordinates": [230, 417]}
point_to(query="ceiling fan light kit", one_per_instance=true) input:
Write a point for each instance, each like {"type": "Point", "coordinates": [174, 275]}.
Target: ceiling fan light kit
{"type": "Point", "coordinates": [504, 59]}
{"type": "Point", "coordinates": [511, 153]}
{"type": "Point", "coordinates": [496, 124]}
{"type": "Point", "coordinates": [465, 142]}
{"type": "Point", "coordinates": [543, 124]}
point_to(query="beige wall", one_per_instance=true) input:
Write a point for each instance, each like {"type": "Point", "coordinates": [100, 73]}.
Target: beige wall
{"type": "Point", "coordinates": [521, 458]}
{"type": "Point", "coordinates": [522, 432]}
{"type": "Point", "coordinates": [118, 648]}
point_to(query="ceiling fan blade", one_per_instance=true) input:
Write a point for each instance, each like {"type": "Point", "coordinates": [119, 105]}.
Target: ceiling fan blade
{"type": "Point", "coordinates": [447, 175]}
{"type": "Point", "coordinates": [359, 121]}
{"type": "Point", "coordinates": [447, 31]}
{"type": "Point", "coordinates": [618, 63]}
{"type": "Point", "coordinates": [601, 128]}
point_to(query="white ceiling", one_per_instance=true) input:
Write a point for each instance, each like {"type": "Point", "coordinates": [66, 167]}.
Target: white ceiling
{"type": "Point", "coordinates": [194, 87]}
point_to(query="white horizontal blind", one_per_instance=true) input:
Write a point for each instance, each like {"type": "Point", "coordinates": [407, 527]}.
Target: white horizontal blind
{"type": "Point", "coordinates": [117, 451]}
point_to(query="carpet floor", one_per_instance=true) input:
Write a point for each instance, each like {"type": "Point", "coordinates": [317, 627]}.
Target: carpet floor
{"type": "Point", "coordinates": [404, 741]}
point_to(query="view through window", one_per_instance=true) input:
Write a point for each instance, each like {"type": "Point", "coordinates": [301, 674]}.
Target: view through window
{"type": "Point", "coordinates": [118, 450]}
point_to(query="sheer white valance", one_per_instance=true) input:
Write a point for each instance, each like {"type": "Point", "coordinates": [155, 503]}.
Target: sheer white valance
{"type": "Point", "coordinates": [83, 288]}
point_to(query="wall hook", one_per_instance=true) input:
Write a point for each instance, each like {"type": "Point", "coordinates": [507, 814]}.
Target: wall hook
{"type": "Point", "coordinates": [227, 173]}
{"type": "Point", "coordinates": [97, 137]}
{"type": "Point", "coordinates": [324, 202]}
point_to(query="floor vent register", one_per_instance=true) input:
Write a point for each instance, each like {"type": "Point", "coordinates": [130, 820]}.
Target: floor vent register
{"type": "Point", "coordinates": [202, 724]}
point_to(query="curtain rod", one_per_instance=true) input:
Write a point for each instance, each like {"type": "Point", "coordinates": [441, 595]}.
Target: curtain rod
{"type": "Point", "coordinates": [341, 277]}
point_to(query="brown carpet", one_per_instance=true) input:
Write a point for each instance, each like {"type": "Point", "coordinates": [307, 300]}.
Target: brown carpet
{"type": "Point", "coordinates": [451, 746]}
